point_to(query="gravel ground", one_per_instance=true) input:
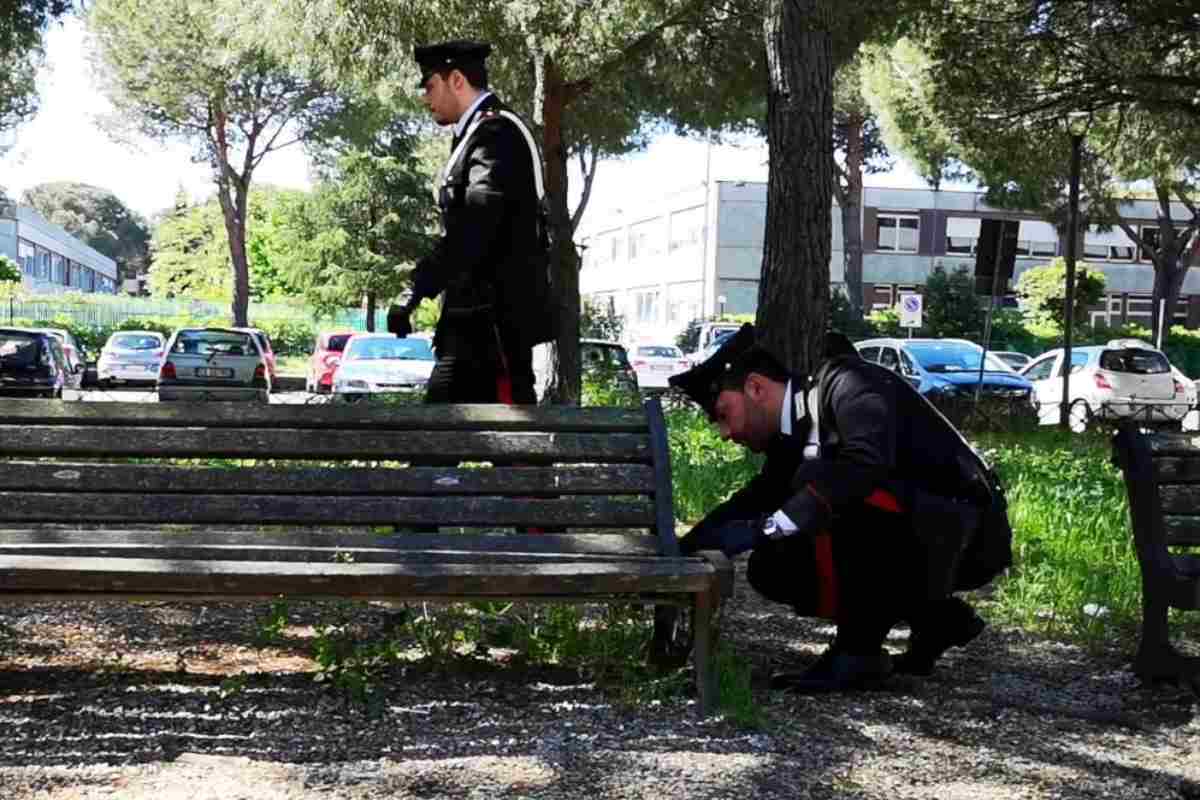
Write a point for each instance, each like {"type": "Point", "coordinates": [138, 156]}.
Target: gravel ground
{"type": "Point", "coordinates": [164, 701]}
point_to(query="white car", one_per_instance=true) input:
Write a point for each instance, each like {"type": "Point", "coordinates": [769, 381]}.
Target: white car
{"type": "Point", "coordinates": [213, 364]}
{"type": "Point", "coordinates": [655, 363]}
{"type": "Point", "coordinates": [1123, 379]}
{"type": "Point", "coordinates": [131, 356]}
{"type": "Point", "coordinates": [375, 363]}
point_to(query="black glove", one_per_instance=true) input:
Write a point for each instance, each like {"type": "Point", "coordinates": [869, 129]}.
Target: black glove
{"type": "Point", "coordinates": [399, 321]}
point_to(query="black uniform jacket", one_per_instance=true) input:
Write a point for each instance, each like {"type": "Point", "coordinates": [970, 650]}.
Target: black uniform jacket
{"type": "Point", "coordinates": [487, 257]}
{"type": "Point", "coordinates": [875, 432]}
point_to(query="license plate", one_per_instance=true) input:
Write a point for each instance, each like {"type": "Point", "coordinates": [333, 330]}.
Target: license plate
{"type": "Point", "coordinates": [213, 372]}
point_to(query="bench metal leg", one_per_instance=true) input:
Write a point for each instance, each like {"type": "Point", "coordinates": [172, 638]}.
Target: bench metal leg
{"type": "Point", "coordinates": [704, 608]}
{"type": "Point", "coordinates": [1157, 659]}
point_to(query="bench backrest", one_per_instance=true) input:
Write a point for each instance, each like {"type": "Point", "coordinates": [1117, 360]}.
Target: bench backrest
{"type": "Point", "coordinates": [1162, 479]}
{"type": "Point", "coordinates": [246, 464]}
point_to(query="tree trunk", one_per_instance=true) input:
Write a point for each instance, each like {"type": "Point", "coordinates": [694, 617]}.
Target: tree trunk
{"type": "Point", "coordinates": [793, 295]}
{"type": "Point", "coordinates": [851, 208]}
{"type": "Point", "coordinates": [233, 193]}
{"type": "Point", "coordinates": [370, 310]}
{"type": "Point", "coordinates": [565, 386]}
{"type": "Point", "coordinates": [233, 209]}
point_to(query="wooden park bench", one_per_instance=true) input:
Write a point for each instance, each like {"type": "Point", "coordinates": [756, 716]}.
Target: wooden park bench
{"type": "Point", "coordinates": [227, 501]}
{"type": "Point", "coordinates": [1162, 478]}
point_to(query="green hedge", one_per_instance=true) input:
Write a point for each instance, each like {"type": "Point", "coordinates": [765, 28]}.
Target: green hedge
{"type": "Point", "coordinates": [289, 337]}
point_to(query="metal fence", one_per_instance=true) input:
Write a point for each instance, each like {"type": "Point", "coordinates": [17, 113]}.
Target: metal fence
{"type": "Point", "coordinates": [107, 311]}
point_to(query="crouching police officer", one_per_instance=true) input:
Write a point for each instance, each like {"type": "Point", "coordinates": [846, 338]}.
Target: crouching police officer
{"type": "Point", "coordinates": [490, 263]}
{"type": "Point", "coordinates": [869, 510]}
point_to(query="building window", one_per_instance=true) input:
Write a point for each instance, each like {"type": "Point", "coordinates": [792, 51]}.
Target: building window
{"type": "Point", "coordinates": [43, 264]}
{"type": "Point", "coordinates": [1150, 234]}
{"type": "Point", "coordinates": [27, 255]}
{"type": "Point", "coordinates": [647, 307]}
{"type": "Point", "coordinates": [962, 235]}
{"type": "Point", "coordinates": [1110, 245]}
{"type": "Point", "coordinates": [898, 233]}
{"type": "Point", "coordinates": [687, 229]}
{"type": "Point", "coordinates": [645, 239]}
{"type": "Point", "coordinates": [59, 268]}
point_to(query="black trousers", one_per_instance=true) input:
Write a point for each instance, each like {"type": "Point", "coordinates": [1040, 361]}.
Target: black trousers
{"type": "Point", "coordinates": [878, 565]}
{"type": "Point", "coordinates": [469, 368]}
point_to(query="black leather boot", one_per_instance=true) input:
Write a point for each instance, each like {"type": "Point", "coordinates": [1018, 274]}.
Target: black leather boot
{"type": "Point", "coordinates": [955, 624]}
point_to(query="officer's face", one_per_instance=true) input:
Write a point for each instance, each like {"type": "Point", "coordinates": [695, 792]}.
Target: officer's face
{"type": "Point", "coordinates": [441, 100]}
{"type": "Point", "coordinates": [743, 417]}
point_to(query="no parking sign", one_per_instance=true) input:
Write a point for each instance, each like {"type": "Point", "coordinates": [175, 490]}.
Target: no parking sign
{"type": "Point", "coordinates": [910, 310]}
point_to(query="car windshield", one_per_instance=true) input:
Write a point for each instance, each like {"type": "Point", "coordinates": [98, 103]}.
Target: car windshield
{"type": "Point", "coordinates": [135, 341]}
{"type": "Point", "coordinates": [18, 350]}
{"type": "Point", "coordinates": [952, 357]}
{"type": "Point", "coordinates": [658, 352]}
{"type": "Point", "coordinates": [207, 343]}
{"type": "Point", "coordinates": [337, 342]}
{"type": "Point", "coordinates": [383, 348]}
{"type": "Point", "coordinates": [603, 356]}
{"type": "Point", "coordinates": [1135, 361]}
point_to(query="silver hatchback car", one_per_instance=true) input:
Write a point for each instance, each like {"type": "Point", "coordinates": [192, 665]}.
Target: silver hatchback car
{"type": "Point", "coordinates": [213, 364]}
{"type": "Point", "coordinates": [132, 356]}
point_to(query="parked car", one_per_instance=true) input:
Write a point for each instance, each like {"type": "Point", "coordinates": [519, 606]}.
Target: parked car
{"type": "Point", "coordinates": [213, 364]}
{"type": "Point", "coordinates": [718, 339]}
{"type": "Point", "coordinates": [598, 358]}
{"type": "Point", "coordinates": [942, 368]}
{"type": "Point", "coordinates": [1125, 378]}
{"type": "Point", "coordinates": [32, 364]}
{"type": "Point", "coordinates": [76, 356]}
{"type": "Point", "coordinates": [326, 355]}
{"type": "Point", "coordinates": [264, 344]}
{"type": "Point", "coordinates": [375, 363]}
{"type": "Point", "coordinates": [1014, 359]}
{"type": "Point", "coordinates": [654, 363]}
{"type": "Point", "coordinates": [130, 356]}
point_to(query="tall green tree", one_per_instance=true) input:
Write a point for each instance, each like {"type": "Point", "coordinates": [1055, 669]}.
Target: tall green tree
{"type": "Point", "coordinates": [97, 217]}
{"type": "Point", "coordinates": [191, 249]}
{"type": "Point", "coordinates": [951, 307]}
{"type": "Point", "coordinates": [23, 26]}
{"type": "Point", "coordinates": [1045, 302]}
{"type": "Point", "coordinates": [364, 224]}
{"type": "Point", "coordinates": [174, 70]}
{"type": "Point", "coordinates": [857, 138]}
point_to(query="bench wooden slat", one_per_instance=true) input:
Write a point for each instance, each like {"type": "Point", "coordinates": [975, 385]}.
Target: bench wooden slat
{"type": "Point", "coordinates": [160, 479]}
{"type": "Point", "coordinates": [163, 442]}
{"type": "Point", "coordinates": [1181, 531]}
{"type": "Point", "coordinates": [1175, 469]}
{"type": "Point", "coordinates": [170, 551]}
{"type": "Point", "coordinates": [598, 544]}
{"type": "Point", "coordinates": [592, 512]}
{"type": "Point", "coordinates": [270, 578]}
{"type": "Point", "coordinates": [1182, 444]}
{"type": "Point", "coordinates": [554, 419]}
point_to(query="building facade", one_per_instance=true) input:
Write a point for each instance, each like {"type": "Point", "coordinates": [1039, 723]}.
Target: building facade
{"type": "Point", "coordinates": [698, 252]}
{"type": "Point", "coordinates": [52, 260]}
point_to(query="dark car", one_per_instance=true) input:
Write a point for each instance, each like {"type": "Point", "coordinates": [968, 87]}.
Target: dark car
{"type": "Point", "coordinates": [32, 364]}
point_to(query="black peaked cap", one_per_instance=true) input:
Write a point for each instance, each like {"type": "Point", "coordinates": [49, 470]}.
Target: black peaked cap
{"type": "Point", "coordinates": [433, 58]}
{"type": "Point", "coordinates": [702, 383]}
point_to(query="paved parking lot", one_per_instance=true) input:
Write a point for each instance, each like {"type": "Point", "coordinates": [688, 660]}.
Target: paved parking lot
{"type": "Point", "coordinates": [139, 395]}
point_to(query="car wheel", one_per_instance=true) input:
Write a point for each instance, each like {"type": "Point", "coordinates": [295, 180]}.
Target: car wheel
{"type": "Point", "coordinates": [1079, 416]}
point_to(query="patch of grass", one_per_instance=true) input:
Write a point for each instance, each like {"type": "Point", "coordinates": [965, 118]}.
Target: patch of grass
{"type": "Point", "coordinates": [1075, 571]}
{"type": "Point", "coordinates": [705, 470]}
{"type": "Point", "coordinates": [734, 695]}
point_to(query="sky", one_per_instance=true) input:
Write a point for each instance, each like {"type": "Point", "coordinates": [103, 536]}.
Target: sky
{"type": "Point", "coordinates": [65, 143]}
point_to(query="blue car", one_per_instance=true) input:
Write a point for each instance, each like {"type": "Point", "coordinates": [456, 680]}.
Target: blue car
{"type": "Point", "coordinates": [946, 368]}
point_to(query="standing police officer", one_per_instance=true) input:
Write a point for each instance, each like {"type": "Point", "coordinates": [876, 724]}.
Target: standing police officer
{"type": "Point", "coordinates": [490, 263]}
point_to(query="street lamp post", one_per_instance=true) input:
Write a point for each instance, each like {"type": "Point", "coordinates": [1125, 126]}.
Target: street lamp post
{"type": "Point", "coordinates": [1077, 124]}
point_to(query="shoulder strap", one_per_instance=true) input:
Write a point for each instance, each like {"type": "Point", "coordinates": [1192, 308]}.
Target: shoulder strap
{"type": "Point", "coordinates": [535, 156]}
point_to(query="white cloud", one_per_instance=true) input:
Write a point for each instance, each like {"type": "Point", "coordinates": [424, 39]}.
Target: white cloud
{"type": "Point", "coordinates": [64, 143]}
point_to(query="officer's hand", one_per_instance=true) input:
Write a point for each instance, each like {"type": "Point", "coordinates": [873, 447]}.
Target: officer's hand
{"type": "Point", "coordinates": [399, 321]}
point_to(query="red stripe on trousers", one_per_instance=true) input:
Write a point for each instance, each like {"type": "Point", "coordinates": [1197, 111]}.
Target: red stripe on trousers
{"type": "Point", "coordinates": [827, 583]}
